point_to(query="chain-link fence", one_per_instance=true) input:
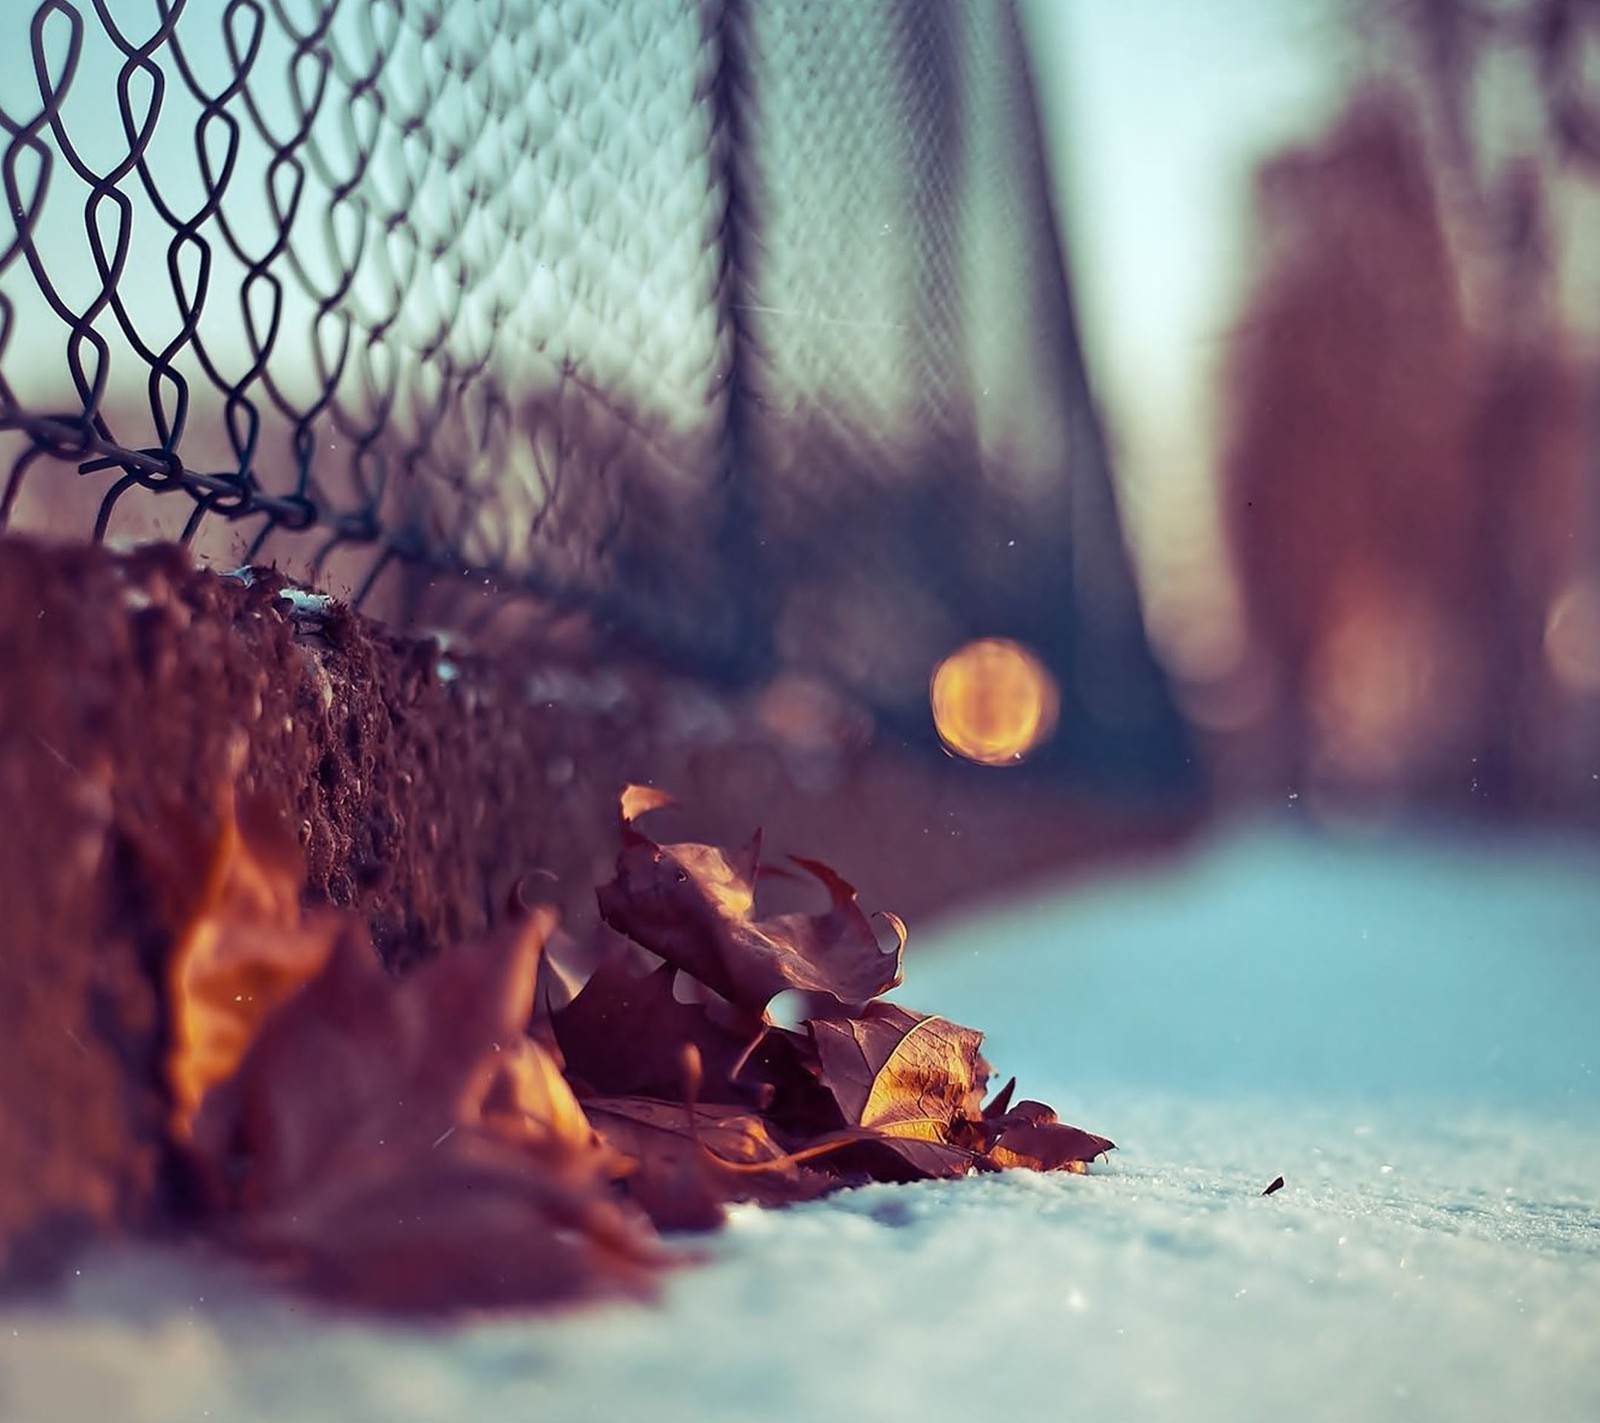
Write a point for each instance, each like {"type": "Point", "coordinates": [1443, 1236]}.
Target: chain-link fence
{"type": "Point", "coordinates": [739, 325]}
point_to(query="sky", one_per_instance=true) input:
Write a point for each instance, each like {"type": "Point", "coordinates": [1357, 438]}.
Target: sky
{"type": "Point", "coordinates": [1157, 114]}
{"type": "Point", "coordinates": [1157, 111]}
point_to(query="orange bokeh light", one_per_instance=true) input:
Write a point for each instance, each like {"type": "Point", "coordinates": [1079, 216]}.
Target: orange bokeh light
{"type": "Point", "coordinates": [1572, 636]}
{"type": "Point", "coordinates": [993, 701]}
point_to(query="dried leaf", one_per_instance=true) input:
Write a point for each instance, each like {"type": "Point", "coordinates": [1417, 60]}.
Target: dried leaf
{"type": "Point", "coordinates": [243, 950]}
{"type": "Point", "coordinates": [408, 1060]}
{"type": "Point", "coordinates": [913, 1078]}
{"type": "Point", "coordinates": [640, 800]}
{"type": "Point", "coordinates": [841, 947]}
{"type": "Point", "coordinates": [1031, 1136]}
{"type": "Point", "coordinates": [693, 905]}
{"type": "Point", "coordinates": [687, 1162]}
{"type": "Point", "coordinates": [528, 1098]}
{"type": "Point", "coordinates": [1001, 1102]}
{"type": "Point", "coordinates": [563, 968]}
{"type": "Point", "coordinates": [403, 1143]}
{"type": "Point", "coordinates": [471, 1226]}
{"type": "Point", "coordinates": [407, 1144]}
{"type": "Point", "coordinates": [624, 1035]}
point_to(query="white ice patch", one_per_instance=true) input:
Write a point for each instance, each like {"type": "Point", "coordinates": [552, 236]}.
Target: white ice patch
{"type": "Point", "coordinates": [305, 604]}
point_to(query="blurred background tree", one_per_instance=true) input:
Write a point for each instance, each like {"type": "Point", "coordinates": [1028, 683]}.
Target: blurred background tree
{"type": "Point", "coordinates": [1407, 477]}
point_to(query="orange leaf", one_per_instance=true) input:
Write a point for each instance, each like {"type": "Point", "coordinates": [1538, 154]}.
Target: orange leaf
{"type": "Point", "coordinates": [528, 1098]}
{"type": "Point", "coordinates": [242, 952]}
{"type": "Point", "coordinates": [912, 1078]}
{"type": "Point", "coordinates": [404, 1144]}
{"type": "Point", "coordinates": [357, 1062]}
{"type": "Point", "coordinates": [640, 800]}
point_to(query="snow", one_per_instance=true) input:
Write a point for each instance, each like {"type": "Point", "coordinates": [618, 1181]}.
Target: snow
{"type": "Point", "coordinates": [1401, 1026]}
{"type": "Point", "coordinates": [305, 604]}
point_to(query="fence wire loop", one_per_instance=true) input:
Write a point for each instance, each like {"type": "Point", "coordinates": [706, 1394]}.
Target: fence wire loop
{"type": "Point", "coordinates": [738, 329]}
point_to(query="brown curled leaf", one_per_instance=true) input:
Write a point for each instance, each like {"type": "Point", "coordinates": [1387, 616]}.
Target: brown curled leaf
{"type": "Point", "coordinates": [1045, 1146]}
{"type": "Point", "coordinates": [913, 1078]}
{"type": "Point", "coordinates": [1000, 1103]}
{"type": "Point", "coordinates": [1031, 1136]}
{"type": "Point", "coordinates": [405, 1145]}
{"type": "Point", "coordinates": [694, 906]}
{"type": "Point", "coordinates": [624, 1035]}
{"type": "Point", "coordinates": [471, 1225]}
{"type": "Point", "coordinates": [356, 1057]}
{"type": "Point", "coordinates": [686, 1161]}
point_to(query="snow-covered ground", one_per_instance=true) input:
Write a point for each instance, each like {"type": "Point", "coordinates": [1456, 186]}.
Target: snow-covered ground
{"type": "Point", "coordinates": [1405, 1029]}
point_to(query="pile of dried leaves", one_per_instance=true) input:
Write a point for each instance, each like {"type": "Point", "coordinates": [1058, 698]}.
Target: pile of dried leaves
{"type": "Point", "coordinates": [478, 1133]}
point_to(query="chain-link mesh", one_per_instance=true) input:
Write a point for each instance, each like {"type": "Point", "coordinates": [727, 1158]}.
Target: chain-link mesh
{"type": "Point", "coordinates": [740, 324]}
